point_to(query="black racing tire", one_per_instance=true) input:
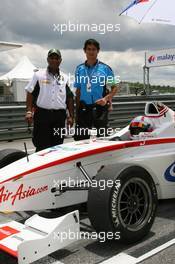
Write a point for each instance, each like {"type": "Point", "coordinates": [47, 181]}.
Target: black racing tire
{"type": "Point", "coordinates": [7, 156]}
{"type": "Point", "coordinates": [127, 207]}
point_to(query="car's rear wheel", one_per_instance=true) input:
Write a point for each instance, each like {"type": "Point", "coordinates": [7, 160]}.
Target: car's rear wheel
{"type": "Point", "coordinates": [7, 156]}
{"type": "Point", "coordinates": [128, 207]}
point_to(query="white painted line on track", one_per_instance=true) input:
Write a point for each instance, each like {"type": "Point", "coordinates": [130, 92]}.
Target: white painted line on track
{"type": "Point", "coordinates": [156, 250]}
{"type": "Point", "coordinates": [123, 258]}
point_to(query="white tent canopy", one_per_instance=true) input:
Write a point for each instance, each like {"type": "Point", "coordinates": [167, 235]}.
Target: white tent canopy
{"type": "Point", "coordinates": [18, 78]}
{"type": "Point", "coordinates": [23, 70]}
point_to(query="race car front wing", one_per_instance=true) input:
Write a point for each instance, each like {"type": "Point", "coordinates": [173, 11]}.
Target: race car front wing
{"type": "Point", "coordinates": [38, 236]}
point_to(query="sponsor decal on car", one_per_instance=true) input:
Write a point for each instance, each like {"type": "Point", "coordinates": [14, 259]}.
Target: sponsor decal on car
{"type": "Point", "coordinates": [7, 231]}
{"type": "Point", "coordinates": [20, 194]}
{"type": "Point", "coordinates": [58, 148]}
{"type": "Point", "coordinates": [170, 173]}
{"type": "Point", "coordinates": [114, 200]}
{"type": "Point", "coordinates": [67, 148]}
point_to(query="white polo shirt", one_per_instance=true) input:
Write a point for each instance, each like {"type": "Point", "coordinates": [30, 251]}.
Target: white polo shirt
{"type": "Point", "coordinates": [52, 93]}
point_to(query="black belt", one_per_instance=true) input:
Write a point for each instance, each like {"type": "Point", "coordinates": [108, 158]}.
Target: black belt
{"type": "Point", "coordinates": [50, 110]}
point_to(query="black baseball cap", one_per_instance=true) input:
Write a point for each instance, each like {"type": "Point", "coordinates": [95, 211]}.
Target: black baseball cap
{"type": "Point", "coordinates": [54, 51]}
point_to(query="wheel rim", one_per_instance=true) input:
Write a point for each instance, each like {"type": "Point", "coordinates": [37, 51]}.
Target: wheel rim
{"type": "Point", "coordinates": [134, 204]}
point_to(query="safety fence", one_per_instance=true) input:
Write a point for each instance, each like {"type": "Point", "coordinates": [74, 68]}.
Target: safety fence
{"type": "Point", "coordinates": [13, 125]}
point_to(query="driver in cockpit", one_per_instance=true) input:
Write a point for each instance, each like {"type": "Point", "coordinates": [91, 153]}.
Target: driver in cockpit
{"type": "Point", "coordinates": [140, 124]}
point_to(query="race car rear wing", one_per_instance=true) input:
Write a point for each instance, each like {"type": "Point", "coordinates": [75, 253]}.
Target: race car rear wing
{"type": "Point", "coordinates": [38, 236]}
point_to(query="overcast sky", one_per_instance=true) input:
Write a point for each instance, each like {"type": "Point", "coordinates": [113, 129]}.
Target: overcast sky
{"type": "Point", "coordinates": [32, 24]}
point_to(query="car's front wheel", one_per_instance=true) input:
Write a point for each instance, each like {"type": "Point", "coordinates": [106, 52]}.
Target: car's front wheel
{"type": "Point", "coordinates": [8, 156]}
{"type": "Point", "coordinates": [128, 207]}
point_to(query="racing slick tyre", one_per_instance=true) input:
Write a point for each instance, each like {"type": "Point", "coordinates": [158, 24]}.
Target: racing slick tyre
{"type": "Point", "coordinates": [126, 208]}
{"type": "Point", "coordinates": [8, 156]}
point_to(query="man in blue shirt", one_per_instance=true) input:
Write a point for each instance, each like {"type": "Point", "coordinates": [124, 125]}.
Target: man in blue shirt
{"type": "Point", "coordinates": [95, 86]}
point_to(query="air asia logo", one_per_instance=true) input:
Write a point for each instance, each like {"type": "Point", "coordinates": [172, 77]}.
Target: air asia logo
{"type": "Point", "coordinates": [151, 59]}
{"type": "Point", "coordinates": [20, 194]}
{"type": "Point", "coordinates": [170, 173]}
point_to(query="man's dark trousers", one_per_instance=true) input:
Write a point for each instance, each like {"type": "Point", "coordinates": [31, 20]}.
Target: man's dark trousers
{"type": "Point", "coordinates": [48, 125]}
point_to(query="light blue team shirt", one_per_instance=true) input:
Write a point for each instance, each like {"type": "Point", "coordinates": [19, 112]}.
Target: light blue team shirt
{"type": "Point", "coordinates": [99, 76]}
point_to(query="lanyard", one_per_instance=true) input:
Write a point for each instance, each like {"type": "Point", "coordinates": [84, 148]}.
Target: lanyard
{"type": "Point", "coordinates": [89, 76]}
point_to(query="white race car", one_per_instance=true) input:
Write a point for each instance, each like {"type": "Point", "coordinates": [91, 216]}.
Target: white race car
{"type": "Point", "coordinates": [120, 177]}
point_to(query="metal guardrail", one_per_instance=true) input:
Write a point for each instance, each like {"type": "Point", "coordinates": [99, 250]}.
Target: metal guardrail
{"type": "Point", "coordinates": [13, 125]}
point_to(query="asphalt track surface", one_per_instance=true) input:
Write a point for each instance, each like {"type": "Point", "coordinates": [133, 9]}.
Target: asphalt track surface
{"type": "Point", "coordinates": [90, 251]}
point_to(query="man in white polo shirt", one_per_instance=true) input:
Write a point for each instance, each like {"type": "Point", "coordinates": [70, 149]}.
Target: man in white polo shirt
{"type": "Point", "coordinates": [52, 96]}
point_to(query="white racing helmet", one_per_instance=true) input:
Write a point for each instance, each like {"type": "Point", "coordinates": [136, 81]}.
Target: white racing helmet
{"type": "Point", "coordinates": [140, 124]}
